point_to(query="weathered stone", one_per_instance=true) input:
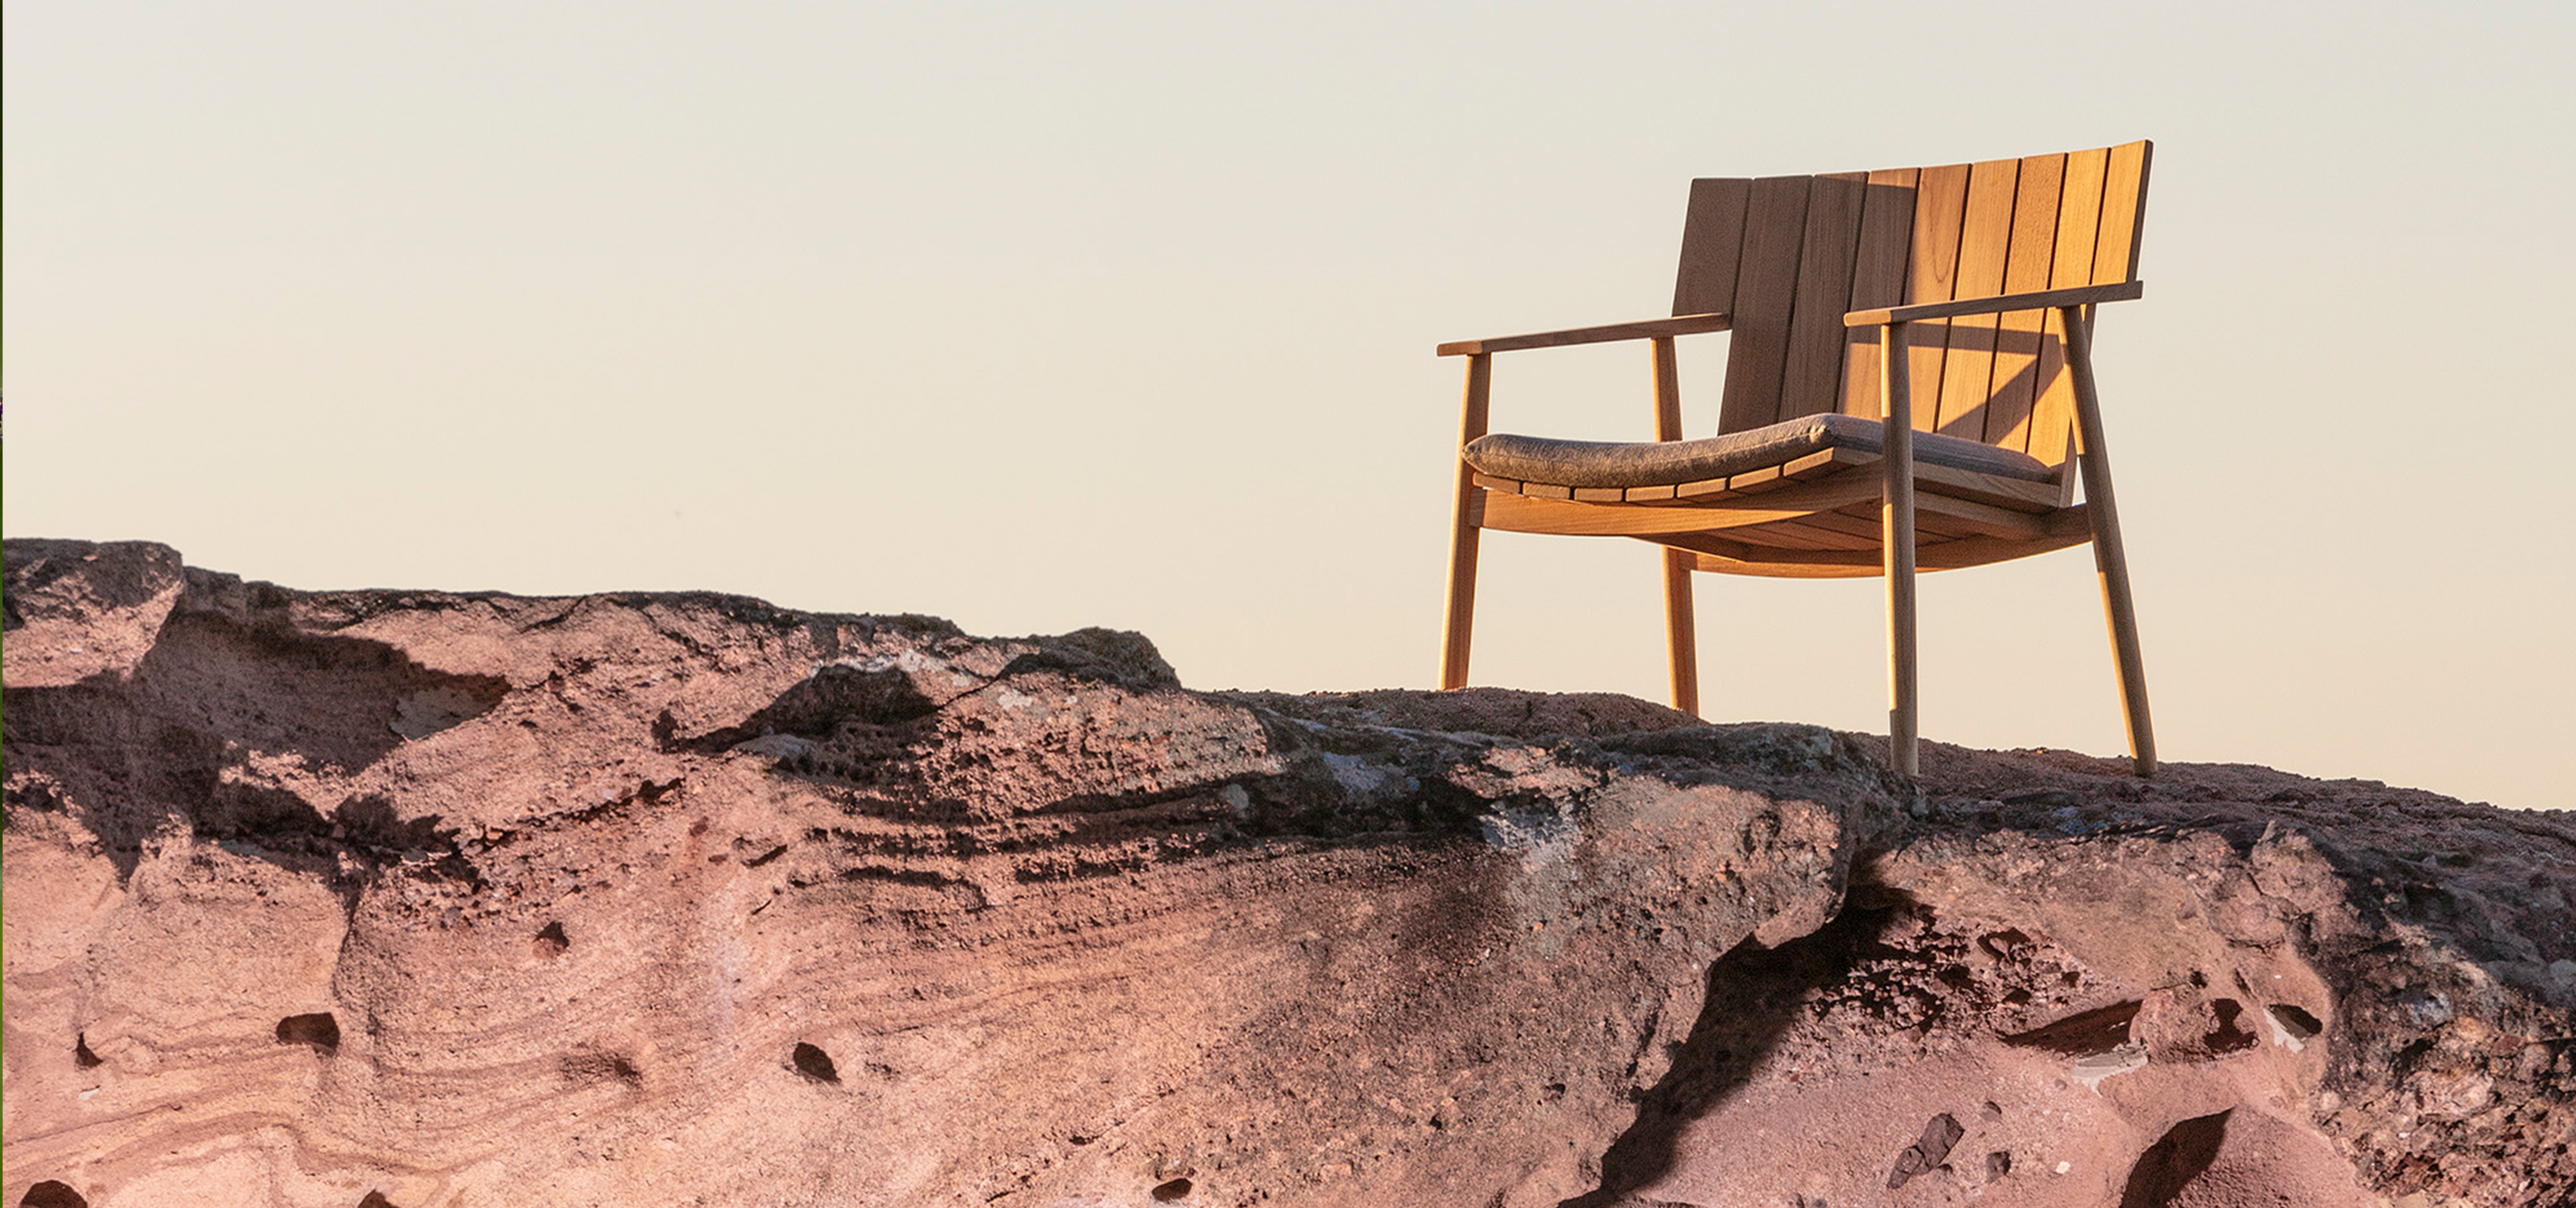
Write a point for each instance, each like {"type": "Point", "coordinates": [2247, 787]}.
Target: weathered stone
{"type": "Point", "coordinates": [413, 898]}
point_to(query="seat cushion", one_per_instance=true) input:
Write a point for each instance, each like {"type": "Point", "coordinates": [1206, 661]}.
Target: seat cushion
{"type": "Point", "coordinates": [1587, 463]}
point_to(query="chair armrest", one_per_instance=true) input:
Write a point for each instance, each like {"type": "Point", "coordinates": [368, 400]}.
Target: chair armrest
{"type": "Point", "coordinates": [1678, 325]}
{"type": "Point", "coordinates": [2082, 295]}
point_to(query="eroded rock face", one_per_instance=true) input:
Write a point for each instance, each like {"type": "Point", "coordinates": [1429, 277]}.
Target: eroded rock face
{"type": "Point", "coordinates": [419, 898]}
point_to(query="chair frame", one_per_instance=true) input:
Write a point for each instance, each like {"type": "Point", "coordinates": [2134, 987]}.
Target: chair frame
{"type": "Point", "coordinates": [1686, 527]}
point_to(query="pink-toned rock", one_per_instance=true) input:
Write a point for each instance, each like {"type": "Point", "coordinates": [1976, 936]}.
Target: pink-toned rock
{"type": "Point", "coordinates": [76, 609]}
{"type": "Point", "coordinates": [448, 899]}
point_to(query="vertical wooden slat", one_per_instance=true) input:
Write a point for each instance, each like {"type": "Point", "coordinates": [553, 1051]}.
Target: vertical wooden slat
{"type": "Point", "coordinates": [1812, 380]}
{"type": "Point", "coordinates": [2124, 209]}
{"type": "Point", "coordinates": [1775, 227]}
{"type": "Point", "coordinates": [1932, 275]}
{"type": "Point", "coordinates": [1878, 279]}
{"type": "Point", "coordinates": [2079, 217]}
{"type": "Point", "coordinates": [1985, 240]}
{"type": "Point", "coordinates": [1712, 246]}
{"type": "Point", "coordinates": [2026, 269]}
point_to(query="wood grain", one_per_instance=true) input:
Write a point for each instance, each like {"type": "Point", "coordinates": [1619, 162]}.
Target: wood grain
{"type": "Point", "coordinates": [1712, 246]}
{"type": "Point", "coordinates": [1642, 329]}
{"type": "Point", "coordinates": [1681, 626]}
{"type": "Point", "coordinates": [1878, 279]}
{"type": "Point", "coordinates": [1897, 550]}
{"type": "Point", "coordinates": [1775, 231]}
{"type": "Point", "coordinates": [1996, 304]}
{"type": "Point", "coordinates": [1931, 275]}
{"type": "Point", "coordinates": [1530, 514]}
{"type": "Point", "coordinates": [2079, 219]}
{"type": "Point", "coordinates": [1459, 617]}
{"type": "Point", "coordinates": [2027, 265]}
{"type": "Point", "coordinates": [1812, 379]}
{"type": "Point", "coordinates": [1985, 242]}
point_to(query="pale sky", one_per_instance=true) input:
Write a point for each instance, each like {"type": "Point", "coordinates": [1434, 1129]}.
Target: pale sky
{"type": "Point", "coordinates": [1038, 317]}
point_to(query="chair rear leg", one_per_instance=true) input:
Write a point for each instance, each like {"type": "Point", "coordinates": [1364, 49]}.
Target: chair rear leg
{"type": "Point", "coordinates": [1457, 630]}
{"type": "Point", "coordinates": [2111, 562]}
{"type": "Point", "coordinates": [1681, 629]}
{"type": "Point", "coordinates": [2110, 558]}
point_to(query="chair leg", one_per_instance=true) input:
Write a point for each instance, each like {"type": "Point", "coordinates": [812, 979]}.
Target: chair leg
{"type": "Point", "coordinates": [2110, 558]}
{"type": "Point", "coordinates": [1681, 630]}
{"type": "Point", "coordinates": [1457, 630]}
{"type": "Point", "coordinates": [1896, 546]}
{"type": "Point", "coordinates": [1903, 720]}
{"type": "Point", "coordinates": [2112, 564]}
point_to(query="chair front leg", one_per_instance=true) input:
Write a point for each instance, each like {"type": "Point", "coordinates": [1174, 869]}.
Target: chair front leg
{"type": "Point", "coordinates": [1457, 631]}
{"type": "Point", "coordinates": [1681, 626]}
{"type": "Point", "coordinates": [1896, 540]}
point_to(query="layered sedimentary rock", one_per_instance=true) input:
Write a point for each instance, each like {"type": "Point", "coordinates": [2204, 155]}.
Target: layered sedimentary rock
{"type": "Point", "coordinates": [425, 898]}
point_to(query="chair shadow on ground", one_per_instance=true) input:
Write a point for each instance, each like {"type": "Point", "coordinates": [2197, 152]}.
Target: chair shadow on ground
{"type": "Point", "coordinates": [1754, 995]}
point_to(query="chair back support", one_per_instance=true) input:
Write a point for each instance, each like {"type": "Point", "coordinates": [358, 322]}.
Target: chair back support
{"type": "Point", "coordinates": [1787, 256]}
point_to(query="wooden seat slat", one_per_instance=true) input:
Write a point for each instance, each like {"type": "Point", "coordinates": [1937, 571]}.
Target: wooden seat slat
{"type": "Point", "coordinates": [2018, 494]}
{"type": "Point", "coordinates": [1549, 514]}
{"type": "Point", "coordinates": [1776, 536]}
{"type": "Point", "coordinates": [1815, 531]}
{"type": "Point", "coordinates": [1843, 523]}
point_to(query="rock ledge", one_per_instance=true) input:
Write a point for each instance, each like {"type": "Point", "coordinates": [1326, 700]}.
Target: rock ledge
{"type": "Point", "coordinates": [414, 898]}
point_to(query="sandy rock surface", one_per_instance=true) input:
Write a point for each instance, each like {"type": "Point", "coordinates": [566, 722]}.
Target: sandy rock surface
{"type": "Point", "coordinates": [426, 898]}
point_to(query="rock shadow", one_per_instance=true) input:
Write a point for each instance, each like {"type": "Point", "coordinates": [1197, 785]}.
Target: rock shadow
{"type": "Point", "coordinates": [1755, 994]}
{"type": "Point", "coordinates": [135, 753]}
{"type": "Point", "coordinates": [2169, 1166]}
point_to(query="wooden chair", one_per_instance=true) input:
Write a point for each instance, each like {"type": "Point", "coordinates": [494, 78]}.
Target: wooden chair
{"type": "Point", "coordinates": [1979, 280]}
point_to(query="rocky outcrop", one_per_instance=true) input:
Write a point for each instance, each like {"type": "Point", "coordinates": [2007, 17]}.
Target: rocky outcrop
{"type": "Point", "coordinates": [426, 898]}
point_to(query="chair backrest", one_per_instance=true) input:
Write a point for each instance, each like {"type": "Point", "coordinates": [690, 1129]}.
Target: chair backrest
{"type": "Point", "coordinates": [1787, 256]}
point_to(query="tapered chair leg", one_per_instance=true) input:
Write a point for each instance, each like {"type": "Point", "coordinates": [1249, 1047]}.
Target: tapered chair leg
{"type": "Point", "coordinates": [1681, 630]}
{"type": "Point", "coordinates": [1457, 631]}
{"type": "Point", "coordinates": [1681, 633]}
{"type": "Point", "coordinates": [2110, 557]}
{"type": "Point", "coordinates": [1896, 544]}
{"type": "Point", "coordinates": [2112, 565]}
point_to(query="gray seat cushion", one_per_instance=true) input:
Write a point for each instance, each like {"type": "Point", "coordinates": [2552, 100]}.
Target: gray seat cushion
{"type": "Point", "coordinates": [1586, 463]}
